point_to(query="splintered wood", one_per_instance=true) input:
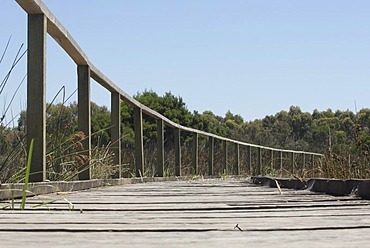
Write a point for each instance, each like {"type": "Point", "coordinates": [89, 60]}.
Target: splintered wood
{"type": "Point", "coordinates": [204, 213]}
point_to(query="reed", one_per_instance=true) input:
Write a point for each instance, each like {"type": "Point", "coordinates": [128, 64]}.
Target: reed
{"type": "Point", "coordinates": [27, 176]}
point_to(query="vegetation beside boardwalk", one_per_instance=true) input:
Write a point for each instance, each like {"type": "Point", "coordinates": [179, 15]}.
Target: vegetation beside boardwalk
{"type": "Point", "coordinates": [343, 136]}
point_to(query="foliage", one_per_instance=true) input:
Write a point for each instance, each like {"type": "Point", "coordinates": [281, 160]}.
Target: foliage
{"type": "Point", "coordinates": [340, 134]}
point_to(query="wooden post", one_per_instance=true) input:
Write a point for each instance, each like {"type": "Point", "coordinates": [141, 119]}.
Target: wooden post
{"type": "Point", "coordinates": [259, 163]}
{"type": "Point", "coordinates": [195, 154]}
{"type": "Point", "coordinates": [237, 159]}
{"type": "Point", "coordinates": [36, 91]}
{"type": "Point", "coordinates": [303, 162]}
{"type": "Point", "coordinates": [281, 163]}
{"type": "Point", "coordinates": [116, 130]}
{"type": "Point", "coordinates": [313, 165]}
{"type": "Point", "coordinates": [292, 162]}
{"type": "Point", "coordinates": [177, 138]}
{"type": "Point", "coordinates": [160, 148]}
{"type": "Point", "coordinates": [211, 144]}
{"type": "Point", "coordinates": [139, 146]}
{"type": "Point", "coordinates": [272, 160]}
{"type": "Point", "coordinates": [224, 155]}
{"type": "Point", "coordinates": [84, 119]}
{"type": "Point", "coordinates": [249, 159]}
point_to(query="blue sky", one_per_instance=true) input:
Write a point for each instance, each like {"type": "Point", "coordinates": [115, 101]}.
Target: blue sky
{"type": "Point", "coordinates": [253, 58]}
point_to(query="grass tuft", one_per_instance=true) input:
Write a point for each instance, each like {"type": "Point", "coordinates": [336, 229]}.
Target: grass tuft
{"type": "Point", "coordinates": [27, 176]}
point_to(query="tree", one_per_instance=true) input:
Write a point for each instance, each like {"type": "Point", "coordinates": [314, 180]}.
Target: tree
{"type": "Point", "coordinates": [100, 125]}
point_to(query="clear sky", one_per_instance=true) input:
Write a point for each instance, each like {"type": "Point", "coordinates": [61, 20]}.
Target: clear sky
{"type": "Point", "coordinates": [253, 58]}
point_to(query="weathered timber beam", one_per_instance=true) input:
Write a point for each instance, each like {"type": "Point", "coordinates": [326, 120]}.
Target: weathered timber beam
{"type": "Point", "coordinates": [56, 30]}
{"type": "Point", "coordinates": [116, 130]}
{"type": "Point", "coordinates": [225, 157]}
{"type": "Point", "coordinates": [249, 159]}
{"type": "Point", "coordinates": [139, 144]}
{"type": "Point", "coordinates": [195, 154]}
{"type": "Point", "coordinates": [281, 163]}
{"type": "Point", "coordinates": [160, 149]}
{"type": "Point", "coordinates": [237, 159]}
{"type": "Point", "coordinates": [177, 137]}
{"type": "Point", "coordinates": [259, 162]}
{"type": "Point", "coordinates": [36, 95]}
{"type": "Point", "coordinates": [211, 145]}
{"type": "Point", "coordinates": [84, 119]}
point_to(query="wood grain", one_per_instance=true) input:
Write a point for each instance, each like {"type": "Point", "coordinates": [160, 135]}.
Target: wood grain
{"type": "Point", "coordinates": [200, 213]}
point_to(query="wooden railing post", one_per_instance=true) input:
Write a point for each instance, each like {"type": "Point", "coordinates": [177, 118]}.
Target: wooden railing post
{"type": "Point", "coordinates": [116, 130]}
{"type": "Point", "coordinates": [272, 160]}
{"type": "Point", "coordinates": [224, 155]}
{"type": "Point", "coordinates": [195, 154]}
{"type": "Point", "coordinates": [249, 159]}
{"type": "Point", "coordinates": [36, 95]}
{"type": "Point", "coordinates": [139, 144]}
{"type": "Point", "coordinates": [177, 139]}
{"type": "Point", "coordinates": [84, 119]}
{"type": "Point", "coordinates": [281, 163]}
{"type": "Point", "coordinates": [292, 162]}
{"type": "Point", "coordinates": [313, 165]}
{"type": "Point", "coordinates": [160, 148]}
{"type": "Point", "coordinates": [237, 159]}
{"type": "Point", "coordinates": [211, 144]}
{"type": "Point", "coordinates": [259, 162]}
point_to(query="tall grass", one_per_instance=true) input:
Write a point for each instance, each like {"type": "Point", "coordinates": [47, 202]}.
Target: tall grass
{"type": "Point", "coordinates": [12, 148]}
{"type": "Point", "coordinates": [64, 142]}
{"type": "Point", "coordinates": [27, 176]}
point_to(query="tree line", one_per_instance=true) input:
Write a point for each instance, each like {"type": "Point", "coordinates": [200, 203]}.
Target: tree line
{"type": "Point", "coordinates": [340, 134]}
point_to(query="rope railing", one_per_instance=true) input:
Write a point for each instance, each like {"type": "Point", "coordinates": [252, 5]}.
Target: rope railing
{"type": "Point", "coordinates": [41, 22]}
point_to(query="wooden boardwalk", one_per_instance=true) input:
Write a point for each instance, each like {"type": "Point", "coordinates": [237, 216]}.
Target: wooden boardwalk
{"type": "Point", "coordinates": [200, 213]}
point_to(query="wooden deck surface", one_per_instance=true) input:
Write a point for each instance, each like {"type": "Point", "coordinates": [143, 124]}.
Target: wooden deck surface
{"type": "Point", "coordinates": [200, 213]}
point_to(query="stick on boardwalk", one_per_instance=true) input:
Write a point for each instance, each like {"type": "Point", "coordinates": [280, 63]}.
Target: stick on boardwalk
{"type": "Point", "coordinates": [200, 213]}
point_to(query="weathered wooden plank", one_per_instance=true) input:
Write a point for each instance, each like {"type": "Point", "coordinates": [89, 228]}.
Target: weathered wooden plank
{"type": "Point", "coordinates": [228, 196]}
{"type": "Point", "coordinates": [211, 239]}
{"type": "Point", "coordinates": [198, 210]}
{"type": "Point", "coordinates": [105, 217]}
{"type": "Point", "coordinates": [263, 224]}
